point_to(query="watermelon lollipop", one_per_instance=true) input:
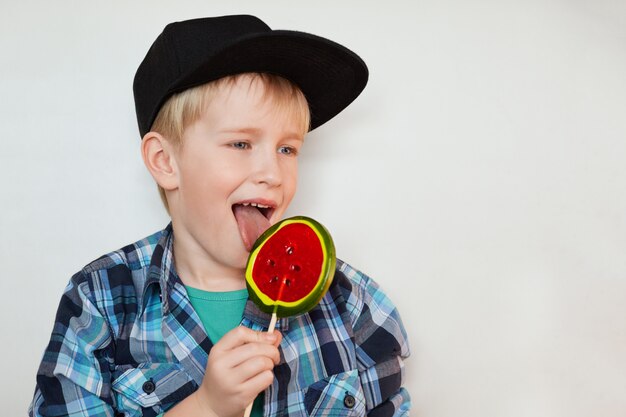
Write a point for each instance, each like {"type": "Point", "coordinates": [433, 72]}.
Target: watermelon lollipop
{"type": "Point", "coordinates": [291, 266]}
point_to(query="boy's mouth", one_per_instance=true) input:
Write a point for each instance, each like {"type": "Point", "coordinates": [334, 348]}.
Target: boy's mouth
{"type": "Point", "coordinates": [253, 218]}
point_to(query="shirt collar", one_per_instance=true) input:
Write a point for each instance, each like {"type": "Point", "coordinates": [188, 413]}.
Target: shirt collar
{"type": "Point", "coordinates": [162, 273]}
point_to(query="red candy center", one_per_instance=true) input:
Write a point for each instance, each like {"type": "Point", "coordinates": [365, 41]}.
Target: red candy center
{"type": "Point", "coordinates": [289, 264]}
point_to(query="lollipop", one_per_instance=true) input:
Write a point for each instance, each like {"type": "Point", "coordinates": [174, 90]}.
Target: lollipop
{"type": "Point", "coordinates": [290, 268]}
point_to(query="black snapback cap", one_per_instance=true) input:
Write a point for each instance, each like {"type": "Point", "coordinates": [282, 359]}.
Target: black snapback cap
{"type": "Point", "coordinates": [194, 52]}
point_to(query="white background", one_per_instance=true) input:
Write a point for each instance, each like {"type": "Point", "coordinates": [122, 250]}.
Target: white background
{"type": "Point", "coordinates": [480, 178]}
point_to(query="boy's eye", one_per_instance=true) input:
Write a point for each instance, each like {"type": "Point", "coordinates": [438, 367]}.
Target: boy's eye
{"type": "Point", "coordinates": [240, 145]}
{"type": "Point", "coordinates": [288, 150]}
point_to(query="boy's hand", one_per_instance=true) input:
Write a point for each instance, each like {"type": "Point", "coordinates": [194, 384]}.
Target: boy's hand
{"type": "Point", "coordinates": [239, 368]}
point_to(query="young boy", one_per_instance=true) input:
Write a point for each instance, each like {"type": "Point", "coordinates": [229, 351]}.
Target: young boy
{"type": "Point", "coordinates": [164, 326]}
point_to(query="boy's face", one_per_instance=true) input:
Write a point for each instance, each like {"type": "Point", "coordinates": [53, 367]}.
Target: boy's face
{"type": "Point", "coordinates": [241, 150]}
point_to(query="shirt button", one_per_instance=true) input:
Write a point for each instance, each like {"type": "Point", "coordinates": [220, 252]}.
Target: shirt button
{"type": "Point", "coordinates": [148, 387]}
{"type": "Point", "coordinates": [349, 401]}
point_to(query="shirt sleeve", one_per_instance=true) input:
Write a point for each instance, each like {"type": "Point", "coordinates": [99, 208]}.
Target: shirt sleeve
{"type": "Point", "coordinates": [75, 373]}
{"type": "Point", "coordinates": [381, 348]}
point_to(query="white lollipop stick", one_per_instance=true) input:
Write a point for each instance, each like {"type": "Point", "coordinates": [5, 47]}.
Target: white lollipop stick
{"type": "Point", "coordinates": [272, 323]}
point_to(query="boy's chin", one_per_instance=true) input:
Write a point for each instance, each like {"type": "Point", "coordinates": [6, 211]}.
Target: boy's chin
{"type": "Point", "coordinates": [241, 260]}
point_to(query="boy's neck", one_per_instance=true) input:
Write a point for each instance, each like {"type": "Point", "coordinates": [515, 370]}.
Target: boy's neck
{"type": "Point", "coordinates": [196, 270]}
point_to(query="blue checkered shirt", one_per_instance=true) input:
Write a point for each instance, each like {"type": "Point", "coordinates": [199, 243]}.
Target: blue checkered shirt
{"type": "Point", "coordinates": [127, 342]}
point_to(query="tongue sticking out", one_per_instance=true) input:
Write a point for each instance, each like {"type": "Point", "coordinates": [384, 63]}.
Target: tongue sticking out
{"type": "Point", "coordinates": [251, 224]}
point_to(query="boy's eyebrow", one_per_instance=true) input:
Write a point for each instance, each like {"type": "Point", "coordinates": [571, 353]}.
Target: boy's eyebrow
{"type": "Point", "coordinates": [252, 130]}
{"type": "Point", "coordinates": [257, 131]}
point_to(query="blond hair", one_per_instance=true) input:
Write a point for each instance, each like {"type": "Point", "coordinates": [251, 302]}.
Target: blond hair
{"type": "Point", "coordinates": [184, 108]}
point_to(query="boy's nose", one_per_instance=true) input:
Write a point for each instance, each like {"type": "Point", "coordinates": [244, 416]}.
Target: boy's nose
{"type": "Point", "coordinates": [267, 170]}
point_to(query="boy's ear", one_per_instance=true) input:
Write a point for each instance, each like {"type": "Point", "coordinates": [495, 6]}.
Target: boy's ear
{"type": "Point", "coordinates": [158, 156]}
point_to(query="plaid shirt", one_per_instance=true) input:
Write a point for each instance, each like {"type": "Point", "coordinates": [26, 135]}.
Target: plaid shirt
{"type": "Point", "coordinates": [127, 342]}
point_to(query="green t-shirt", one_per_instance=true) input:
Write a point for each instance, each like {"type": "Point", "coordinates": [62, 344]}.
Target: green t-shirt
{"type": "Point", "coordinates": [220, 312]}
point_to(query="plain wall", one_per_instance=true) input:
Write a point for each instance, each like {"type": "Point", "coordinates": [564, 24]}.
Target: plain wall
{"type": "Point", "coordinates": [480, 179]}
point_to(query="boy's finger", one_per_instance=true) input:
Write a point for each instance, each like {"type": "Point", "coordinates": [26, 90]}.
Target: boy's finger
{"type": "Point", "coordinates": [252, 367]}
{"type": "Point", "coordinates": [279, 337]}
{"type": "Point", "coordinates": [238, 355]}
{"type": "Point", "coordinates": [241, 335]}
{"type": "Point", "coordinates": [258, 382]}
